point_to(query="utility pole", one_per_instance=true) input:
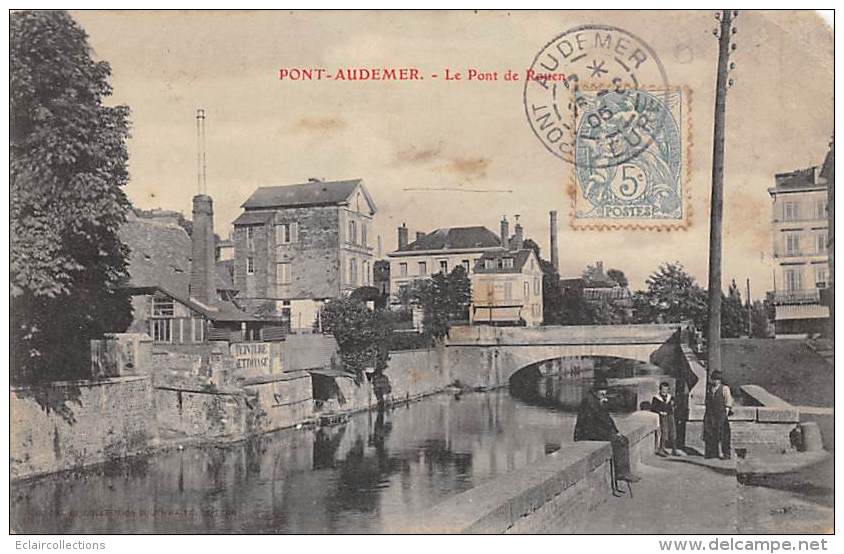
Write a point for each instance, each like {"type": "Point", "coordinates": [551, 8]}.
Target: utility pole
{"type": "Point", "coordinates": [724, 34]}
{"type": "Point", "coordinates": [749, 311]}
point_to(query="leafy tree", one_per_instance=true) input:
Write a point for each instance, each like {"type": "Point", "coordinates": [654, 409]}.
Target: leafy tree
{"type": "Point", "coordinates": [760, 322]}
{"type": "Point", "coordinates": [672, 296]}
{"type": "Point", "coordinates": [67, 169]}
{"type": "Point", "coordinates": [733, 313]}
{"type": "Point", "coordinates": [619, 277]}
{"type": "Point", "coordinates": [363, 335]}
{"type": "Point", "coordinates": [442, 299]}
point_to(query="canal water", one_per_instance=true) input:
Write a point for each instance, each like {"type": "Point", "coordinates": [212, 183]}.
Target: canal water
{"type": "Point", "coordinates": [377, 470]}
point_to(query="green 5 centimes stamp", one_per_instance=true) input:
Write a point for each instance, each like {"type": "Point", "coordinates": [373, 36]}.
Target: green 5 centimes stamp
{"type": "Point", "coordinates": [631, 158]}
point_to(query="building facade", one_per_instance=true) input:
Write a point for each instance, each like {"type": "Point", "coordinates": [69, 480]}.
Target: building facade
{"type": "Point", "coordinates": [507, 289]}
{"type": "Point", "coordinates": [438, 251]}
{"type": "Point", "coordinates": [800, 250]}
{"type": "Point", "coordinates": [297, 246]}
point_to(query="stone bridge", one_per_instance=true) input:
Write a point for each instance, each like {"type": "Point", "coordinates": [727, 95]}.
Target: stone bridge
{"type": "Point", "coordinates": [488, 356]}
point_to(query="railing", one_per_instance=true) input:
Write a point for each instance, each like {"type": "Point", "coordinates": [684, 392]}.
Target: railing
{"type": "Point", "coordinates": [805, 296]}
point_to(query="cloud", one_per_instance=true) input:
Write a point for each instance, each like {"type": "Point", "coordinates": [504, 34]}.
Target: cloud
{"type": "Point", "coordinates": [319, 124]}
{"type": "Point", "coordinates": [414, 155]}
{"type": "Point", "coordinates": [468, 168]}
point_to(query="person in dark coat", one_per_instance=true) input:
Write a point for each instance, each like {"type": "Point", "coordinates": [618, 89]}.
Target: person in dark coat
{"type": "Point", "coordinates": [664, 405]}
{"type": "Point", "coordinates": [716, 422]}
{"type": "Point", "coordinates": [594, 423]}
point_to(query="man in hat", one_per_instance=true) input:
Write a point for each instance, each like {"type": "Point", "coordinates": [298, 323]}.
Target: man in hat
{"type": "Point", "coordinates": [594, 423]}
{"type": "Point", "coordinates": [716, 423]}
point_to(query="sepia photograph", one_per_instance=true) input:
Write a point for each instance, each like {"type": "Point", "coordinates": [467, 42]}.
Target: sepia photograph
{"type": "Point", "coordinates": [430, 272]}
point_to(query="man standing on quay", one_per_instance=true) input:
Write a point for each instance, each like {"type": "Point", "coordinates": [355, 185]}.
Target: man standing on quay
{"type": "Point", "coordinates": [716, 423]}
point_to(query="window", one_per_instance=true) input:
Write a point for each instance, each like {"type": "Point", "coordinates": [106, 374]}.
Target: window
{"type": "Point", "coordinates": [285, 233]}
{"type": "Point", "coordinates": [403, 269]}
{"type": "Point", "coordinates": [163, 311]}
{"type": "Point", "coordinates": [537, 286]}
{"type": "Point", "coordinates": [791, 211]}
{"type": "Point", "coordinates": [283, 274]}
{"type": "Point", "coordinates": [198, 325]}
{"type": "Point", "coordinates": [508, 290]}
{"type": "Point", "coordinates": [444, 266]}
{"type": "Point", "coordinates": [821, 276]}
{"type": "Point", "coordinates": [821, 239]}
{"type": "Point", "coordinates": [250, 238]}
{"type": "Point", "coordinates": [363, 237]}
{"type": "Point", "coordinates": [792, 244]}
{"type": "Point", "coordinates": [466, 266]}
{"type": "Point", "coordinates": [366, 280]}
{"type": "Point", "coordinates": [508, 263]}
{"type": "Point", "coordinates": [489, 264]}
{"type": "Point", "coordinates": [163, 306]}
{"type": "Point", "coordinates": [527, 290]}
{"type": "Point", "coordinates": [250, 265]}
{"type": "Point", "coordinates": [793, 279]}
{"type": "Point", "coordinates": [162, 330]}
{"type": "Point", "coordinates": [353, 232]}
{"type": "Point", "coordinates": [423, 268]}
{"type": "Point", "coordinates": [353, 271]}
{"type": "Point", "coordinates": [820, 209]}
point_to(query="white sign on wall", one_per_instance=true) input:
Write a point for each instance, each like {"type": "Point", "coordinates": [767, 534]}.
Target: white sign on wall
{"type": "Point", "coordinates": [252, 355]}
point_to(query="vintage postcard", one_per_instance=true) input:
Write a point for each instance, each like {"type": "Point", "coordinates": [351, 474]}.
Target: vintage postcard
{"type": "Point", "coordinates": [422, 272]}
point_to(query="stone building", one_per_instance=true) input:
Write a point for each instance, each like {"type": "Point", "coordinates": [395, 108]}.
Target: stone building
{"type": "Point", "coordinates": [179, 294]}
{"type": "Point", "coordinates": [800, 228]}
{"type": "Point", "coordinates": [440, 251]}
{"type": "Point", "coordinates": [297, 246]}
{"type": "Point", "coordinates": [507, 289]}
{"type": "Point", "coordinates": [597, 288]}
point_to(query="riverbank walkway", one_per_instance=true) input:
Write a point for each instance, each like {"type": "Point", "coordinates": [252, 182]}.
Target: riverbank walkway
{"type": "Point", "coordinates": [683, 496]}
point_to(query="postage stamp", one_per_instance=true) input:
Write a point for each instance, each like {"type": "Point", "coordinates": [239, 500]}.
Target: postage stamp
{"type": "Point", "coordinates": [631, 158]}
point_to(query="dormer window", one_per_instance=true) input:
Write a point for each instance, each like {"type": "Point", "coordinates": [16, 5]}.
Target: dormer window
{"type": "Point", "coordinates": [489, 264]}
{"type": "Point", "coordinates": [508, 263]}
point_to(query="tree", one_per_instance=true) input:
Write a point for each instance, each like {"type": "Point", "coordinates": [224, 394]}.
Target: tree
{"type": "Point", "coordinates": [442, 299]}
{"type": "Point", "coordinates": [733, 313]}
{"type": "Point", "coordinates": [760, 322]}
{"type": "Point", "coordinates": [362, 334]}
{"type": "Point", "coordinates": [619, 277]}
{"type": "Point", "coordinates": [67, 169]}
{"type": "Point", "coordinates": [672, 296]}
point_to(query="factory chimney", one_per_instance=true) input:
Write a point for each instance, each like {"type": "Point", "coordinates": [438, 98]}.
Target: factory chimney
{"type": "Point", "coordinates": [202, 286]}
{"type": "Point", "coordinates": [505, 232]}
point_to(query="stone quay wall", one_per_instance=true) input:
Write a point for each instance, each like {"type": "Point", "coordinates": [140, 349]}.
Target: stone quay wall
{"type": "Point", "coordinates": [102, 420]}
{"type": "Point", "coordinates": [556, 493]}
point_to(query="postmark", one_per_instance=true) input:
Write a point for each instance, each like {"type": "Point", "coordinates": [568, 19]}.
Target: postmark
{"type": "Point", "coordinates": [586, 56]}
{"type": "Point", "coordinates": [631, 158]}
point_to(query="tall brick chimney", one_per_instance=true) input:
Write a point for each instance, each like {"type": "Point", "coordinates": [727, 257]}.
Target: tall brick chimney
{"type": "Point", "coordinates": [505, 232]}
{"type": "Point", "coordinates": [518, 236]}
{"type": "Point", "coordinates": [202, 266]}
{"type": "Point", "coordinates": [555, 254]}
{"type": "Point", "coordinates": [402, 237]}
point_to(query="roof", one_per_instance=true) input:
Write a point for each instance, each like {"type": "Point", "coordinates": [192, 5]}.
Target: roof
{"type": "Point", "coordinates": [159, 259]}
{"type": "Point", "coordinates": [159, 254]}
{"type": "Point", "coordinates": [253, 218]}
{"type": "Point", "coordinates": [828, 168]}
{"type": "Point", "coordinates": [520, 258]}
{"type": "Point", "coordinates": [224, 277]}
{"type": "Point", "coordinates": [454, 238]}
{"type": "Point", "coordinates": [312, 193]}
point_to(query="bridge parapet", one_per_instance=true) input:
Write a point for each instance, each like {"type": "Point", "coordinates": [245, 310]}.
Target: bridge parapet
{"type": "Point", "coordinates": [655, 334]}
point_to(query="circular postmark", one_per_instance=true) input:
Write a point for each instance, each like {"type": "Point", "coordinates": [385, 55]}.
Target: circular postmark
{"type": "Point", "coordinates": [584, 58]}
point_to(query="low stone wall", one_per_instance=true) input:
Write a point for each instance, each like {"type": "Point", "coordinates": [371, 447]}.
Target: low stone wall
{"type": "Point", "coordinates": [200, 413]}
{"type": "Point", "coordinates": [103, 420]}
{"type": "Point", "coordinates": [278, 401]}
{"type": "Point", "coordinates": [555, 494]}
{"type": "Point", "coordinates": [759, 429]}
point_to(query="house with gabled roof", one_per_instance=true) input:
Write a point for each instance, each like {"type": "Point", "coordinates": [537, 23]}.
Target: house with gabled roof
{"type": "Point", "coordinates": [297, 246]}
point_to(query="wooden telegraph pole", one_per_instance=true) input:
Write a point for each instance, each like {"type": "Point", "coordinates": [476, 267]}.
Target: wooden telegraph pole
{"type": "Point", "coordinates": [724, 34]}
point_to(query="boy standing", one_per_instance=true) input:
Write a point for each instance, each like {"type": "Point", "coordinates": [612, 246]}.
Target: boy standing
{"type": "Point", "coordinates": [663, 404]}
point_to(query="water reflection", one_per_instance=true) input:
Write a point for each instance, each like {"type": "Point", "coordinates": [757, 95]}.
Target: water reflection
{"type": "Point", "coordinates": [377, 469]}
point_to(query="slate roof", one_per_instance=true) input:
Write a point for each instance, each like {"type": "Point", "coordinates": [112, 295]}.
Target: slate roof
{"type": "Point", "coordinates": [253, 218]}
{"type": "Point", "coordinates": [828, 167]}
{"type": "Point", "coordinates": [224, 276]}
{"type": "Point", "coordinates": [159, 258]}
{"type": "Point", "coordinates": [312, 193]}
{"type": "Point", "coordinates": [520, 258]}
{"type": "Point", "coordinates": [455, 238]}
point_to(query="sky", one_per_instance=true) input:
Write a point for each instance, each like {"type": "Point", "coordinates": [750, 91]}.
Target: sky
{"type": "Point", "coordinates": [466, 136]}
